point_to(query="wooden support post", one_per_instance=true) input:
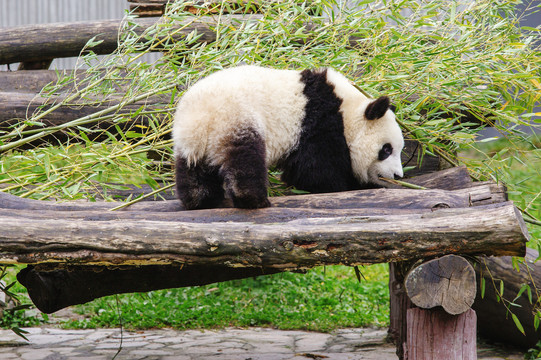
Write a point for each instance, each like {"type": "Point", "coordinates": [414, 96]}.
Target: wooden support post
{"type": "Point", "coordinates": [443, 288]}
{"type": "Point", "coordinates": [436, 335]}
{"type": "Point", "coordinates": [399, 304]}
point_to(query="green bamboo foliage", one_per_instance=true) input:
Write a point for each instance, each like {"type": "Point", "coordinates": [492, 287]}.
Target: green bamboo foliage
{"type": "Point", "coordinates": [436, 59]}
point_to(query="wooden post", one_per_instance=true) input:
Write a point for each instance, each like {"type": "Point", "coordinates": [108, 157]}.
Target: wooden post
{"type": "Point", "coordinates": [402, 321]}
{"type": "Point", "coordinates": [399, 304]}
{"type": "Point", "coordinates": [446, 288]}
{"type": "Point", "coordinates": [436, 335]}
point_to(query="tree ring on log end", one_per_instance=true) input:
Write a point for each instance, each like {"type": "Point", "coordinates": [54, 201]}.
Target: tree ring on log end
{"type": "Point", "coordinates": [448, 282]}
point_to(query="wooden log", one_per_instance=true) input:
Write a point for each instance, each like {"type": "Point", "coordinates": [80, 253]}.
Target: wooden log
{"type": "Point", "coordinates": [436, 335]}
{"type": "Point", "coordinates": [32, 81]}
{"type": "Point", "coordinates": [57, 288]}
{"type": "Point", "coordinates": [16, 107]}
{"type": "Point", "coordinates": [30, 43]}
{"type": "Point", "coordinates": [454, 178]}
{"type": "Point", "coordinates": [448, 282]}
{"type": "Point", "coordinates": [495, 321]}
{"type": "Point", "coordinates": [399, 303]}
{"type": "Point", "coordinates": [157, 7]}
{"type": "Point", "coordinates": [288, 245]}
{"type": "Point", "coordinates": [371, 198]}
{"type": "Point", "coordinates": [148, 8]}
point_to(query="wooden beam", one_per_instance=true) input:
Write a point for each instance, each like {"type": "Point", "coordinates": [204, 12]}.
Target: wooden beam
{"type": "Point", "coordinates": [52, 289]}
{"type": "Point", "coordinates": [368, 199]}
{"type": "Point", "coordinates": [32, 43]}
{"type": "Point", "coordinates": [293, 244]}
{"type": "Point", "coordinates": [16, 106]}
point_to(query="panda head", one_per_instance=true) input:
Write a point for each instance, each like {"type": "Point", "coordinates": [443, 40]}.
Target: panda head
{"type": "Point", "coordinates": [378, 143]}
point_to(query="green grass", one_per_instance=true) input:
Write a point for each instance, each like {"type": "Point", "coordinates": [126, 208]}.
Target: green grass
{"type": "Point", "coordinates": [323, 299]}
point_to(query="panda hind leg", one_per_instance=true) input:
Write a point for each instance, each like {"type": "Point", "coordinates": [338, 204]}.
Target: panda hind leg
{"type": "Point", "coordinates": [244, 169]}
{"type": "Point", "coordinates": [198, 186]}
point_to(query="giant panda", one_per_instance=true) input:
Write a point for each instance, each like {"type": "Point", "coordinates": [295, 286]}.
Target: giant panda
{"type": "Point", "coordinates": [314, 125]}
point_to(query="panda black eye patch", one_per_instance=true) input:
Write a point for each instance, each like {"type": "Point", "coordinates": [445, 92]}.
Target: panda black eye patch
{"type": "Point", "coordinates": [385, 152]}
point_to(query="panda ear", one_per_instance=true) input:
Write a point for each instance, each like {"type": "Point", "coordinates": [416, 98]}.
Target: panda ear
{"type": "Point", "coordinates": [377, 108]}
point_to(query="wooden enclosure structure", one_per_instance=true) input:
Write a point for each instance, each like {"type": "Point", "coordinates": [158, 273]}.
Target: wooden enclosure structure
{"type": "Point", "coordinates": [80, 251]}
{"type": "Point", "coordinates": [77, 251]}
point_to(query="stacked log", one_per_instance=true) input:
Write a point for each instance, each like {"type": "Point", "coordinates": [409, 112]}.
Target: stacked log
{"type": "Point", "coordinates": [61, 240]}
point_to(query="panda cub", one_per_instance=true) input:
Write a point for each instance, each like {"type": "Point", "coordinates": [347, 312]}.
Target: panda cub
{"type": "Point", "coordinates": [314, 125]}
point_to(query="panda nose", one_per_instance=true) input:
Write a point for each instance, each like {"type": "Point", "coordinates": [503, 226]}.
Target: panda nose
{"type": "Point", "coordinates": [397, 176]}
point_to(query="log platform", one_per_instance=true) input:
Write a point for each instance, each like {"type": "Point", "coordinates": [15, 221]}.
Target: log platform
{"type": "Point", "coordinates": [296, 232]}
{"type": "Point", "coordinates": [79, 251]}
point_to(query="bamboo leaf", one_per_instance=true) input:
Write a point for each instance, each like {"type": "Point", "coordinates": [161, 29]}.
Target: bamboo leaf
{"type": "Point", "coordinates": [518, 324]}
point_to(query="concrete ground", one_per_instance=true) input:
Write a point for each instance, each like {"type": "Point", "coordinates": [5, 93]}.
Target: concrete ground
{"type": "Point", "coordinates": [228, 344]}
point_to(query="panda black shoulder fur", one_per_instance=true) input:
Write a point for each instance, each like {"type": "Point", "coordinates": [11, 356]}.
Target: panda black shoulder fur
{"type": "Point", "coordinates": [319, 129]}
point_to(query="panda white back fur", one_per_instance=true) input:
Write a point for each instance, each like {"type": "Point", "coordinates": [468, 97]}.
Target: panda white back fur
{"type": "Point", "coordinates": [319, 129]}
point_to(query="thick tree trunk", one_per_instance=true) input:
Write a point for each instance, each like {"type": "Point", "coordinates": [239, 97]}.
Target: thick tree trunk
{"type": "Point", "coordinates": [436, 335]}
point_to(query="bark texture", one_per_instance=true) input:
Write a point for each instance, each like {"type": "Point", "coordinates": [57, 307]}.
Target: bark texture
{"type": "Point", "coordinates": [436, 335]}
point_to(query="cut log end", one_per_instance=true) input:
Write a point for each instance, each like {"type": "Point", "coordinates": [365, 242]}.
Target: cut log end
{"type": "Point", "coordinates": [448, 282]}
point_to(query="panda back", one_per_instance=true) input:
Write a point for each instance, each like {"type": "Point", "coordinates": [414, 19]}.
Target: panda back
{"type": "Point", "coordinates": [268, 100]}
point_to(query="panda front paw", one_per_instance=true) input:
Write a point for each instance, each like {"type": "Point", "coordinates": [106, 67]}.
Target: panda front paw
{"type": "Point", "coordinates": [251, 202]}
